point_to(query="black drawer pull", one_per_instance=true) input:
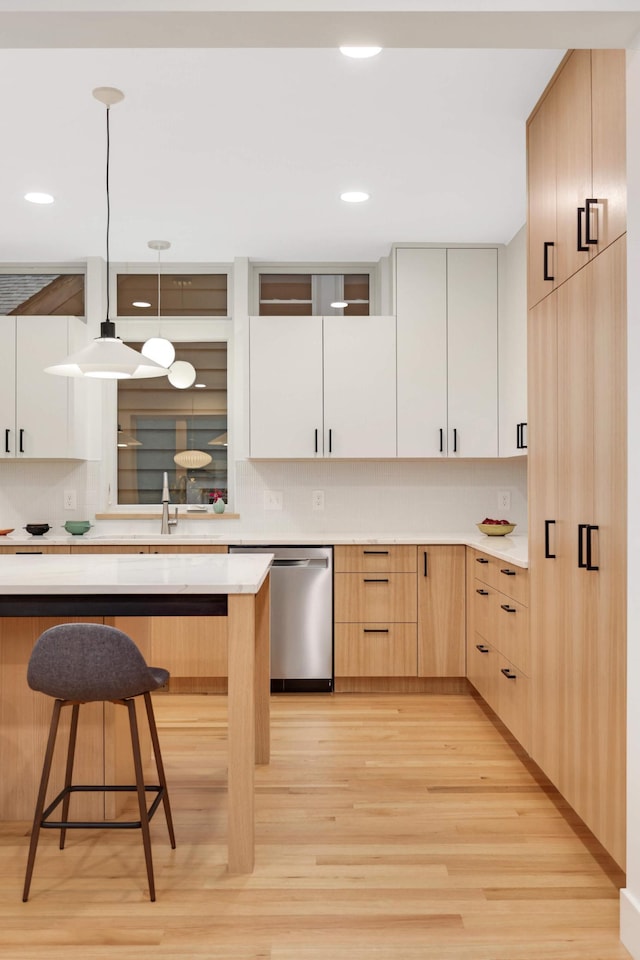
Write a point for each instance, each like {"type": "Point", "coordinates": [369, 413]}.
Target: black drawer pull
{"type": "Point", "coordinates": [508, 573]}
{"type": "Point", "coordinates": [481, 647]}
{"type": "Point", "coordinates": [372, 630]}
{"type": "Point", "coordinates": [376, 580]}
{"type": "Point", "coordinates": [507, 608]}
{"type": "Point", "coordinates": [28, 553]}
{"type": "Point", "coordinates": [481, 560]}
{"type": "Point", "coordinates": [483, 593]}
{"type": "Point", "coordinates": [507, 673]}
{"type": "Point", "coordinates": [376, 553]}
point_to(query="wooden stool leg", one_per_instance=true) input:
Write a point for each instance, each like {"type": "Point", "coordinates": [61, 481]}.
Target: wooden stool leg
{"type": "Point", "coordinates": [153, 730]}
{"type": "Point", "coordinates": [42, 793]}
{"type": "Point", "coordinates": [142, 799]}
{"type": "Point", "coordinates": [68, 776]}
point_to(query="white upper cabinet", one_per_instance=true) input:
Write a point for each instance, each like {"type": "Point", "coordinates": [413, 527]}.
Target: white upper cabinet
{"type": "Point", "coordinates": [285, 375]}
{"type": "Point", "coordinates": [36, 409]}
{"type": "Point", "coordinates": [322, 387]}
{"type": "Point", "coordinates": [447, 342]}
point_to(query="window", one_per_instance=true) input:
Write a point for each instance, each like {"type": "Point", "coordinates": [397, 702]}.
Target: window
{"type": "Point", "coordinates": [42, 294]}
{"type": "Point", "coordinates": [181, 294]}
{"type": "Point", "coordinates": [156, 421]}
{"type": "Point", "coordinates": [306, 294]}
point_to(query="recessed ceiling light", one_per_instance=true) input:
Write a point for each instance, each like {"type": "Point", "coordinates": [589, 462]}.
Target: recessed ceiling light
{"type": "Point", "coordinates": [39, 197]}
{"type": "Point", "coordinates": [360, 53]}
{"type": "Point", "coordinates": [354, 196]}
{"type": "Point", "coordinates": [140, 303]}
{"type": "Point", "coordinates": [339, 304]}
{"type": "Point", "coordinates": [200, 386]}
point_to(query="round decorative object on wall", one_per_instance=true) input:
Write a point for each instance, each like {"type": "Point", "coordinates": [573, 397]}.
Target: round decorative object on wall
{"type": "Point", "coordinates": [192, 459]}
{"type": "Point", "coordinates": [182, 374]}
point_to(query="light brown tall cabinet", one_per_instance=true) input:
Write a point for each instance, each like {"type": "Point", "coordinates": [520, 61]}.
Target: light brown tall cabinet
{"type": "Point", "coordinates": [577, 440]}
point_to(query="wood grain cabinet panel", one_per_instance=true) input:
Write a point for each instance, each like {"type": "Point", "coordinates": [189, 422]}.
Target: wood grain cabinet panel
{"type": "Point", "coordinates": [375, 558]}
{"type": "Point", "coordinates": [375, 649]}
{"type": "Point", "coordinates": [514, 700]}
{"type": "Point", "coordinates": [375, 597]}
{"type": "Point", "coordinates": [441, 611]}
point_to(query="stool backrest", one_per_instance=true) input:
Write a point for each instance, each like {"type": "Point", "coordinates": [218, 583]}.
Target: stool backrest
{"type": "Point", "coordinates": [88, 661]}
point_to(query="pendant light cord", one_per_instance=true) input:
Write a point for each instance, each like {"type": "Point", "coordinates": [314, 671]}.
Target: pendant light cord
{"type": "Point", "coordinates": [108, 328]}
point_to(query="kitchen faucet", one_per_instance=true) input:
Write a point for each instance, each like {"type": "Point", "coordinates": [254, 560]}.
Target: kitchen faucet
{"type": "Point", "coordinates": [166, 524]}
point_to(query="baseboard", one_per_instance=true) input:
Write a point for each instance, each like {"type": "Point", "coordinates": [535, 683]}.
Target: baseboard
{"type": "Point", "coordinates": [630, 923]}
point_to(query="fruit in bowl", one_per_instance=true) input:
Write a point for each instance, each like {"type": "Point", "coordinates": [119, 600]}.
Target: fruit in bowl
{"type": "Point", "coordinates": [496, 528]}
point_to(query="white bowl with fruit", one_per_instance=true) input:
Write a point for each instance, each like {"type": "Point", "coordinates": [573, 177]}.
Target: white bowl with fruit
{"type": "Point", "coordinates": [496, 528]}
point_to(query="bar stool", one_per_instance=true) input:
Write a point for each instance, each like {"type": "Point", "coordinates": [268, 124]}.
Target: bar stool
{"type": "Point", "coordinates": [79, 663]}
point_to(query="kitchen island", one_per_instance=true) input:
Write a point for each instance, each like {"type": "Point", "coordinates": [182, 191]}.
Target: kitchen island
{"type": "Point", "coordinates": [125, 591]}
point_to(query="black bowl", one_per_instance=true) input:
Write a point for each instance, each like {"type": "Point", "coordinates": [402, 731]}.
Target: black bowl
{"type": "Point", "coordinates": [37, 529]}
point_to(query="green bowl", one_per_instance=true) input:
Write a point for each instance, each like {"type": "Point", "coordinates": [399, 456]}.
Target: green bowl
{"type": "Point", "coordinates": [77, 527]}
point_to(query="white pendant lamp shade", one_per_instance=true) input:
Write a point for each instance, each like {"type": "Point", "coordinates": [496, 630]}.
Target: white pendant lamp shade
{"type": "Point", "coordinates": [192, 459]}
{"type": "Point", "coordinates": [107, 357]}
{"type": "Point", "coordinates": [160, 350]}
{"type": "Point", "coordinates": [182, 374]}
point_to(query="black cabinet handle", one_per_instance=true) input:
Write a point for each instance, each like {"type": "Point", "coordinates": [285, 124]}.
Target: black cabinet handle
{"type": "Point", "coordinates": [481, 560]}
{"type": "Point", "coordinates": [28, 553]}
{"type": "Point", "coordinates": [426, 567]}
{"type": "Point", "coordinates": [375, 580]}
{"type": "Point", "coordinates": [376, 553]}
{"type": "Point", "coordinates": [520, 443]}
{"type": "Point", "coordinates": [373, 630]}
{"type": "Point", "coordinates": [507, 608]}
{"type": "Point", "coordinates": [441, 440]}
{"type": "Point", "coordinates": [581, 528]}
{"type": "Point", "coordinates": [546, 274]}
{"type": "Point", "coordinates": [483, 593]}
{"type": "Point", "coordinates": [508, 573]}
{"type": "Point", "coordinates": [587, 221]}
{"type": "Point", "coordinates": [507, 673]}
{"type": "Point", "coordinates": [481, 647]}
{"type": "Point", "coordinates": [21, 441]}
{"type": "Point", "coordinates": [329, 441]}
{"type": "Point", "coordinates": [7, 434]}
{"type": "Point", "coordinates": [589, 565]}
{"type": "Point", "coordinates": [547, 552]}
{"type": "Point", "coordinates": [582, 248]}
{"type": "Point", "coordinates": [316, 443]}
{"type": "Point", "coordinates": [455, 440]}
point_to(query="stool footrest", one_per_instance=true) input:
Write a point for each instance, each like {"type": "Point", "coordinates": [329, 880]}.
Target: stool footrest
{"type": "Point", "coordinates": [45, 823]}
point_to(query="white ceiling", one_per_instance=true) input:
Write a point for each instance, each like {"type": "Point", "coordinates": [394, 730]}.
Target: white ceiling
{"type": "Point", "coordinates": [228, 151]}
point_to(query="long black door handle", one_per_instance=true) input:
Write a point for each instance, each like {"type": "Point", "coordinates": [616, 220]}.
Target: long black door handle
{"type": "Point", "coordinates": [590, 528]}
{"type": "Point", "coordinates": [547, 245]}
{"type": "Point", "coordinates": [316, 443]}
{"type": "Point", "coordinates": [455, 440]}
{"type": "Point", "coordinates": [426, 564]}
{"type": "Point", "coordinates": [547, 548]}
{"type": "Point", "coordinates": [587, 221]}
{"type": "Point", "coordinates": [441, 440]}
{"type": "Point", "coordinates": [581, 529]}
{"type": "Point", "coordinates": [21, 446]}
{"type": "Point", "coordinates": [7, 434]}
{"type": "Point", "coordinates": [582, 248]}
{"type": "Point", "coordinates": [518, 441]}
{"type": "Point", "coordinates": [329, 441]}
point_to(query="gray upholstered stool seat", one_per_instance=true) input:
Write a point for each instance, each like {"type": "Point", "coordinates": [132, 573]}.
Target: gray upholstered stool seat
{"type": "Point", "coordinates": [81, 662]}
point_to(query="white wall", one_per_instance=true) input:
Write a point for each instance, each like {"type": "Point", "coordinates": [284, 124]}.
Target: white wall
{"type": "Point", "coordinates": [630, 899]}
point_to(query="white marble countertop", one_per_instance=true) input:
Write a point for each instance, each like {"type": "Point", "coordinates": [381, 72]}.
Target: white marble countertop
{"type": "Point", "coordinates": [133, 573]}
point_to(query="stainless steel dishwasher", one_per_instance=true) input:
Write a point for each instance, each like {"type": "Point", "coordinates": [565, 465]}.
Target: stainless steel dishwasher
{"type": "Point", "coordinates": [301, 617]}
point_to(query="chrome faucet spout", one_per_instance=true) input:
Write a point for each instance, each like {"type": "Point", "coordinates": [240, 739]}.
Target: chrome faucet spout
{"type": "Point", "coordinates": [166, 523]}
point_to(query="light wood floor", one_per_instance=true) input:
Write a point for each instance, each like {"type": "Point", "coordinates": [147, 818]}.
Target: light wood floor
{"type": "Point", "coordinates": [388, 828]}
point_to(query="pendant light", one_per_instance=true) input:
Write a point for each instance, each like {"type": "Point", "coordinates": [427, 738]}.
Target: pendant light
{"type": "Point", "coordinates": [159, 348]}
{"type": "Point", "coordinates": [192, 459]}
{"type": "Point", "coordinates": [107, 357]}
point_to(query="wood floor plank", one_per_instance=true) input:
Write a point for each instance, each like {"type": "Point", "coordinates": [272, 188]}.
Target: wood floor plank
{"type": "Point", "coordinates": [388, 827]}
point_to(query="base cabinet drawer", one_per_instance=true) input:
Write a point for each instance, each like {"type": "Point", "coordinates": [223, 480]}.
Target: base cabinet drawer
{"type": "Point", "coordinates": [482, 670]}
{"type": "Point", "coordinates": [513, 632]}
{"type": "Point", "coordinates": [375, 649]}
{"type": "Point", "coordinates": [514, 701]}
{"type": "Point", "coordinates": [375, 598]}
{"type": "Point", "coordinates": [375, 558]}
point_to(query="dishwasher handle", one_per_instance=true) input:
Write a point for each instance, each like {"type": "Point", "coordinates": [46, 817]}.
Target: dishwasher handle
{"type": "Point", "coordinates": [300, 562]}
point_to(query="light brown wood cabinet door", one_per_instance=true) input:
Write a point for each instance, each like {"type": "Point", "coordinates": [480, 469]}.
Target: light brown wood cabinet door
{"type": "Point", "coordinates": [608, 117]}
{"type": "Point", "coordinates": [541, 184]}
{"type": "Point", "coordinates": [441, 611]}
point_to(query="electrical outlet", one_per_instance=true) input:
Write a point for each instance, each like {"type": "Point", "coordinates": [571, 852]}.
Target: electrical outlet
{"type": "Point", "coordinates": [70, 500]}
{"type": "Point", "coordinates": [317, 500]}
{"type": "Point", "coordinates": [504, 501]}
{"type": "Point", "coordinates": [273, 499]}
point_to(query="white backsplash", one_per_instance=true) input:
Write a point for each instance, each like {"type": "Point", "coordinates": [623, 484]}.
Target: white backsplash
{"type": "Point", "coordinates": [360, 497]}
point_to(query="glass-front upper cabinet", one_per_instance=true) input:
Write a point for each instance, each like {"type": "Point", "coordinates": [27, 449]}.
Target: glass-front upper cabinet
{"type": "Point", "coordinates": [313, 294]}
